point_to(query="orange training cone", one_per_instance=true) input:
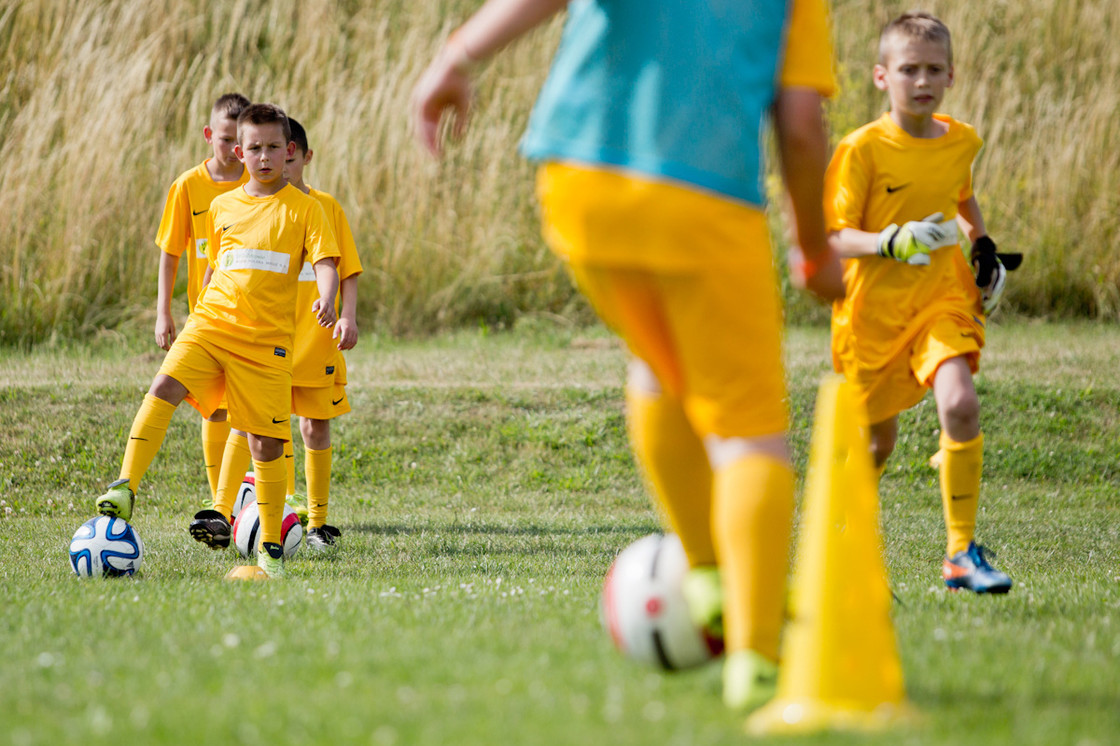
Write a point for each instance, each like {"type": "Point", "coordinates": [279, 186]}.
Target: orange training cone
{"type": "Point", "coordinates": [840, 667]}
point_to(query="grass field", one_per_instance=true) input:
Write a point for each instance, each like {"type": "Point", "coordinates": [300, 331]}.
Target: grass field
{"type": "Point", "coordinates": [483, 486]}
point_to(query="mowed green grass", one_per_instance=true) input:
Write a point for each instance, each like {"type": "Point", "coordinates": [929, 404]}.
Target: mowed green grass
{"type": "Point", "coordinates": [483, 485]}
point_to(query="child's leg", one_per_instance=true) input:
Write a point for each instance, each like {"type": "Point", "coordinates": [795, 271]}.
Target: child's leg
{"type": "Point", "coordinates": [149, 427]}
{"type": "Point", "coordinates": [235, 462]}
{"type": "Point", "coordinates": [268, 468]}
{"type": "Point", "coordinates": [215, 430]}
{"type": "Point", "coordinates": [883, 436]}
{"type": "Point", "coordinates": [290, 467]}
{"type": "Point", "coordinates": [962, 450]}
{"type": "Point", "coordinates": [317, 466]}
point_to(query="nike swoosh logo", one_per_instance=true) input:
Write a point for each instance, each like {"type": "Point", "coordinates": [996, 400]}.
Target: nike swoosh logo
{"type": "Point", "coordinates": [134, 438]}
{"type": "Point", "coordinates": [226, 228]}
{"type": "Point", "coordinates": [892, 190]}
{"type": "Point", "coordinates": [336, 403]}
{"type": "Point", "coordinates": [199, 212]}
{"type": "Point", "coordinates": [277, 422]}
{"type": "Point", "coordinates": [960, 497]}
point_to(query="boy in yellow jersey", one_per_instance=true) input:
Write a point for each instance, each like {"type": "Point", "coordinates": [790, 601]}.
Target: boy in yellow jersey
{"type": "Point", "coordinates": [182, 231]}
{"type": "Point", "coordinates": [318, 380]}
{"type": "Point", "coordinates": [650, 191]}
{"type": "Point", "coordinates": [237, 343]}
{"type": "Point", "coordinates": [914, 314]}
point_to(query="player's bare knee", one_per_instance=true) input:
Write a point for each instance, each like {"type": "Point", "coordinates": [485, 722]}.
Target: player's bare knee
{"type": "Point", "coordinates": [265, 447]}
{"type": "Point", "coordinates": [961, 411]}
{"type": "Point", "coordinates": [640, 377]}
{"type": "Point", "coordinates": [316, 433]}
{"type": "Point", "coordinates": [723, 452]}
{"type": "Point", "coordinates": [168, 389]}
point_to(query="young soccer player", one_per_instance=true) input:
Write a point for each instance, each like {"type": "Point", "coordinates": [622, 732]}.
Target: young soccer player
{"type": "Point", "coordinates": [238, 341]}
{"type": "Point", "coordinates": [650, 191]}
{"type": "Point", "coordinates": [182, 230]}
{"type": "Point", "coordinates": [318, 380]}
{"type": "Point", "coordinates": [914, 314]}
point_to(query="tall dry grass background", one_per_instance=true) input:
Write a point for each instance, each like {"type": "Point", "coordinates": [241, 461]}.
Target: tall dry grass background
{"type": "Point", "coordinates": [102, 105]}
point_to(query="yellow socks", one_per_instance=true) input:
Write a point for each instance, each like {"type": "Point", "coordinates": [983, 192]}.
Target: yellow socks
{"type": "Point", "coordinates": [674, 462]}
{"type": "Point", "coordinates": [214, 436]}
{"type": "Point", "coordinates": [960, 489]}
{"type": "Point", "coordinates": [144, 439]}
{"type": "Point", "coordinates": [318, 467]}
{"type": "Point", "coordinates": [751, 523]}
{"type": "Point", "coordinates": [235, 462]}
{"type": "Point", "coordinates": [271, 482]}
{"type": "Point", "coordinates": [290, 466]}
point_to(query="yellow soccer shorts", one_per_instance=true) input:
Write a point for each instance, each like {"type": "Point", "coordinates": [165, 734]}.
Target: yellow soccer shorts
{"type": "Point", "coordinates": [711, 332]}
{"type": "Point", "coordinates": [903, 381]}
{"type": "Point", "coordinates": [320, 402]}
{"type": "Point", "coordinates": [258, 397]}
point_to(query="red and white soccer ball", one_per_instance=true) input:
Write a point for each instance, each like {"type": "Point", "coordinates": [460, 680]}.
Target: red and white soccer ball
{"type": "Point", "coordinates": [247, 531]}
{"type": "Point", "coordinates": [246, 493]}
{"type": "Point", "coordinates": [643, 607]}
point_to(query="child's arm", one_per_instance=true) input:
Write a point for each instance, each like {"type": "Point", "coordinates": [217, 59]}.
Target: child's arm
{"type": "Point", "coordinates": [165, 322]}
{"type": "Point", "coordinates": [909, 243]}
{"type": "Point", "coordinates": [446, 83]}
{"type": "Point", "coordinates": [971, 219]}
{"type": "Point", "coordinates": [346, 330]}
{"type": "Point", "coordinates": [326, 279]}
{"type": "Point", "coordinates": [803, 147]}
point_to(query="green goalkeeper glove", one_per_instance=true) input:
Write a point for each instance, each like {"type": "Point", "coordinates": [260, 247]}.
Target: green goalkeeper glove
{"type": "Point", "coordinates": [914, 240]}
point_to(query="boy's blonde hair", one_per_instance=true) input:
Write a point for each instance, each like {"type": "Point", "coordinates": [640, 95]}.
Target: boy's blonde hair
{"type": "Point", "coordinates": [229, 106]}
{"type": "Point", "coordinates": [915, 25]}
{"type": "Point", "coordinates": [258, 114]}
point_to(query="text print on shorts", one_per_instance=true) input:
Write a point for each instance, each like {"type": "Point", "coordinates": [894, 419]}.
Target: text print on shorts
{"type": "Point", "coordinates": [261, 259]}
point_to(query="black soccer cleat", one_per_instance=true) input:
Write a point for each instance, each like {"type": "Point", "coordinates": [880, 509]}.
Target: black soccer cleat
{"type": "Point", "coordinates": [211, 528]}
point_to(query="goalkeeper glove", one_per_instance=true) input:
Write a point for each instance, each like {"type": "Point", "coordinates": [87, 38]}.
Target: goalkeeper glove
{"type": "Point", "coordinates": [991, 270]}
{"type": "Point", "coordinates": [914, 240]}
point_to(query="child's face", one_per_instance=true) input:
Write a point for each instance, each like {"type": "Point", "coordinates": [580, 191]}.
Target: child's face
{"type": "Point", "coordinates": [297, 161]}
{"type": "Point", "coordinates": [264, 149]}
{"type": "Point", "coordinates": [221, 133]}
{"type": "Point", "coordinates": [915, 75]}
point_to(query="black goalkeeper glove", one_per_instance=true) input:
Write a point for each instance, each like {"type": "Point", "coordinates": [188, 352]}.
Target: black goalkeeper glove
{"type": "Point", "coordinates": [991, 268]}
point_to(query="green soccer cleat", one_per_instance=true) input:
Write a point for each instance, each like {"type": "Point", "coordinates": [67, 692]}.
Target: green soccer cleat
{"type": "Point", "coordinates": [118, 501]}
{"type": "Point", "coordinates": [270, 558]}
{"type": "Point", "coordinates": [750, 680]}
{"type": "Point", "coordinates": [703, 594]}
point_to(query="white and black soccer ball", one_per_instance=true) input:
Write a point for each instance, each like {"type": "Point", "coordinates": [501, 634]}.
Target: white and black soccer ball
{"type": "Point", "coordinates": [246, 493]}
{"type": "Point", "coordinates": [247, 530]}
{"type": "Point", "coordinates": [644, 610]}
{"type": "Point", "coordinates": [105, 546]}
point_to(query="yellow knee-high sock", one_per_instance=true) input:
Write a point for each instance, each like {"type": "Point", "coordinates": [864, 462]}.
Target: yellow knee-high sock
{"type": "Point", "coordinates": [751, 521]}
{"type": "Point", "coordinates": [214, 436]}
{"type": "Point", "coordinates": [235, 462]}
{"type": "Point", "coordinates": [290, 466]}
{"type": "Point", "coordinates": [270, 497]}
{"type": "Point", "coordinates": [676, 467]}
{"type": "Point", "coordinates": [318, 467]}
{"type": "Point", "coordinates": [961, 464]}
{"type": "Point", "coordinates": [144, 439]}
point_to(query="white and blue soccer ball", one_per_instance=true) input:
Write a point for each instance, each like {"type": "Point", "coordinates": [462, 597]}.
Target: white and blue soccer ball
{"type": "Point", "coordinates": [105, 546]}
{"type": "Point", "coordinates": [643, 607]}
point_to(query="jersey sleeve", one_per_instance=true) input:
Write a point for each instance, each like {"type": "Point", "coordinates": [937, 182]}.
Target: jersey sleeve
{"type": "Point", "coordinates": [808, 59]}
{"type": "Point", "coordinates": [319, 242]}
{"type": "Point", "coordinates": [846, 185]}
{"type": "Point", "coordinates": [213, 241]}
{"type": "Point", "coordinates": [348, 264]}
{"type": "Point", "coordinates": [174, 234]}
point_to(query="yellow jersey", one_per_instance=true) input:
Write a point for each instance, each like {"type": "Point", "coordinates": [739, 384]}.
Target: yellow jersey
{"type": "Point", "coordinates": [318, 361]}
{"type": "Point", "coordinates": [257, 247]}
{"type": "Point", "coordinates": [182, 229]}
{"type": "Point", "coordinates": [880, 175]}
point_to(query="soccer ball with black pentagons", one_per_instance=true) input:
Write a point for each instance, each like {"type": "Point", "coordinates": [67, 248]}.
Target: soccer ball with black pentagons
{"type": "Point", "coordinates": [644, 610]}
{"type": "Point", "coordinates": [105, 547]}
{"type": "Point", "coordinates": [247, 531]}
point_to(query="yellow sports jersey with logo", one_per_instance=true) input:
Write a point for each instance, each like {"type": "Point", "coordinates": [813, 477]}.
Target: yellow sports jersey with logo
{"type": "Point", "coordinates": [880, 175]}
{"type": "Point", "coordinates": [257, 247]}
{"type": "Point", "coordinates": [318, 360]}
{"type": "Point", "coordinates": [183, 227]}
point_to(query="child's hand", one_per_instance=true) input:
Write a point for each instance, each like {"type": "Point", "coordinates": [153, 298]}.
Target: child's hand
{"type": "Point", "coordinates": [446, 84]}
{"type": "Point", "coordinates": [165, 331]}
{"type": "Point", "coordinates": [824, 277]}
{"type": "Point", "coordinates": [346, 332]}
{"type": "Point", "coordinates": [914, 240]}
{"type": "Point", "coordinates": [324, 312]}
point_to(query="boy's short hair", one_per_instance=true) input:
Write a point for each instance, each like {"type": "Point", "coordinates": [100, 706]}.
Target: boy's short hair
{"type": "Point", "coordinates": [916, 25]}
{"type": "Point", "coordinates": [258, 114]}
{"type": "Point", "coordinates": [299, 135]}
{"type": "Point", "coordinates": [230, 106]}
